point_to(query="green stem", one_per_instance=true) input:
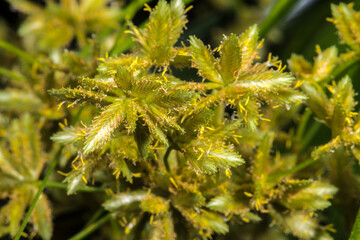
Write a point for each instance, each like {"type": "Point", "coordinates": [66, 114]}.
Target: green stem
{"type": "Point", "coordinates": [131, 9]}
{"type": "Point", "coordinates": [17, 51]}
{"type": "Point", "coordinates": [77, 116]}
{"type": "Point", "coordinates": [346, 65]}
{"type": "Point", "coordinates": [277, 12]}
{"type": "Point", "coordinates": [64, 186]}
{"type": "Point", "coordinates": [12, 75]}
{"type": "Point", "coordinates": [302, 125]}
{"type": "Point", "coordinates": [91, 228]}
{"type": "Point", "coordinates": [127, 14]}
{"type": "Point", "coordinates": [355, 234]}
{"type": "Point", "coordinates": [94, 217]}
{"type": "Point", "coordinates": [39, 192]}
{"type": "Point", "coordinates": [310, 135]}
{"type": "Point", "coordinates": [292, 170]}
{"type": "Point", "coordinates": [44, 182]}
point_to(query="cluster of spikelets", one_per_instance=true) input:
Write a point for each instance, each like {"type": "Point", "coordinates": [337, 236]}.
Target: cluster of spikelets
{"type": "Point", "coordinates": [174, 162]}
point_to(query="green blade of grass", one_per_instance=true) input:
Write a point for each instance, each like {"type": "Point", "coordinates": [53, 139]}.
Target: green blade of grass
{"type": "Point", "coordinates": [39, 192]}
{"type": "Point", "coordinates": [91, 228]}
{"type": "Point", "coordinates": [292, 170]}
{"type": "Point", "coordinates": [355, 234]}
{"type": "Point", "coordinates": [280, 9]}
{"type": "Point", "coordinates": [17, 51]}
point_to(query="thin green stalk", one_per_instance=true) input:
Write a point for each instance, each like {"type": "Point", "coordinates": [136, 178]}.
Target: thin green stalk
{"type": "Point", "coordinates": [39, 192]}
{"type": "Point", "coordinates": [94, 217]}
{"type": "Point", "coordinates": [77, 116]}
{"type": "Point", "coordinates": [292, 170]}
{"type": "Point", "coordinates": [44, 182]}
{"type": "Point", "coordinates": [131, 9]}
{"type": "Point", "coordinates": [58, 185]}
{"type": "Point", "coordinates": [346, 65]}
{"type": "Point", "coordinates": [302, 125]}
{"type": "Point", "coordinates": [127, 14]}
{"type": "Point", "coordinates": [277, 12]}
{"type": "Point", "coordinates": [91, 228]}
{"type": "Point", "coordinates": [12, 75]}
{"type": "Point", "coordinates": [17, 51]}
{"type": "Point", "coordinates": [310, 135]}
{"type": "Point", "coordinates": [355, 234]}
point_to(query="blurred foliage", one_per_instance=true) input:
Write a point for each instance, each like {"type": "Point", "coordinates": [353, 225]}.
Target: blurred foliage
{"type": "Point", "coordinates": [156, 135]}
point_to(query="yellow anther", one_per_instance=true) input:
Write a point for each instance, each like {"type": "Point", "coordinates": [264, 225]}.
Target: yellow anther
{"type": "Point", "coordinates": [330, 228]}
{"type": "Point", "coordinates": [331, 89]}
{"type": "Point", "coordinates": [136, 175]}
{"type": "Point", "coordinates": [134, 62]}
{"type": "Point", "coordinates": [172, 180]}
{"type": "Point", "coordinates": [231, 101]}
{"type": "Point", "coordinates": [71, 104]}
{"type": "Point", "coordinates": [24, 234]}
{"type": "Point", "coordinates": [74, 167]}
{"type": "Point", "coordinates": [84, 179]}
{"type": "Point", "coordinates": [62, 173]}
{"type": "Point", "coordinates": [248, 194]}
{"type": "Point", "coordinates": [202, 129]}
{"type": "Point", "coordinates": [188, 8]}
{"type": "Point", "coordinates": [147, 8]}
{"type": "Point", "coordinates": [298, 84]}
{"type": "Point", "coordinates": [245, 219]}
{"type": "Point", "coordinates": [331, 20]}
{"type": "Point", "coordinates": [228, 173]}
{"type": "Point", "coordinates": [83, 124]}
{"type": "Point", "coordinates": [127, 230]}
{"type": "Point", "coordinates": [261, 43]}
{"type": "Point", "coordinates": [247, 101]}
{"type": "Point", "coordinates": [59, 106]}
{"type": "Point", "coordinates": [241, 107]}
{"type": "Point", "coordinates": [61, 126]}
{"type": "Point", "coordinates": [209, 148]}
{"type": "Point", "coordinates": [75, 159]}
